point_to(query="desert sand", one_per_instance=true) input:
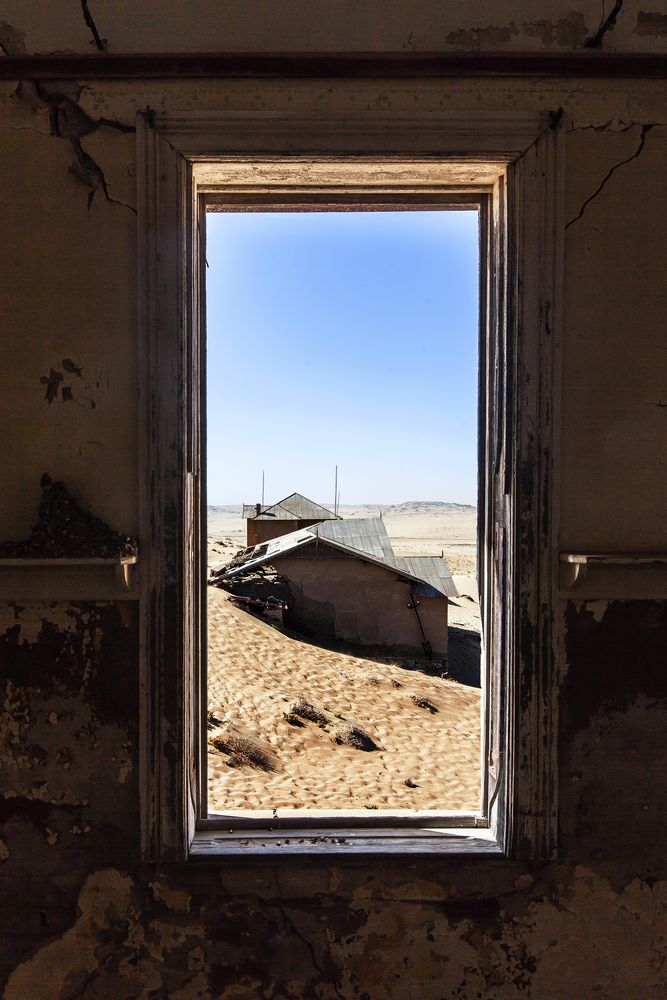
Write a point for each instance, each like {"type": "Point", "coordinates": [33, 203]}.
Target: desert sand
{"type": "Point", "coordinates": [426, 728]}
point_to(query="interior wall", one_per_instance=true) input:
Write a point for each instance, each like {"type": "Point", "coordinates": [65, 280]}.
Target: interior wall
{"type": "Point", "coordinates": [81, 916]}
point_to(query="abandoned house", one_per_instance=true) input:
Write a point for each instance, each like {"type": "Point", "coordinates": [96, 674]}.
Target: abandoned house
{"type": "Point", "coordinates": [118, 120]}
{"type": "Point", "coordinates": [290, 514]}
{"type": "Point", "coordinates": [346, 583]}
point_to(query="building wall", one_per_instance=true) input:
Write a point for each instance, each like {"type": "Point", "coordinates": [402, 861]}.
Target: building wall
{"type": "Point", "coordinates": [81, 916]}
{"type": "Point", "coordinates": [359, 602]}
{"type": "Point", "coordinates": [264, 531]}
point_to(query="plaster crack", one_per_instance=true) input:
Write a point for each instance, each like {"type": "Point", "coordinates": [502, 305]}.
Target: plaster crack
{"type": "Point", "coordinates": [606, 24]}
{"type": "Point", "coordinates": [297, 933]}
{"type": "Point", "coordinates": [90, 172]}
{"type": "Point", "coordinates": [12, 41]}
{"type": "Point", "coordinates": [23, 128]}
{"type": "Point", "coordinates": [610, 173]}
{"type": "Point", "coordinates": [606, 127]}
{"type": "Point", "coordinates": [100, 43]}
{"type": "Point", "coordinates": [69, 121]}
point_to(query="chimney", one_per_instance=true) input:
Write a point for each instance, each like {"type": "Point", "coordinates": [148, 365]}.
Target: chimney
{"type": "Point", "coordinates": [258, 508]}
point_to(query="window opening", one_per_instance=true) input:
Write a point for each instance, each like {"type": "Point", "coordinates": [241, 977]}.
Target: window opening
{"type": "Point", "coordinates": [343, 663]}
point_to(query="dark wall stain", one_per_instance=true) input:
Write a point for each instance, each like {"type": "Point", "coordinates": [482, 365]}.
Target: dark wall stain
{"type": "Point", "coordinates": [52, 382]}
{"type": "Point", "coordinates": [568, 31]}
{"type": "Point", "coordinates": [487, 37]}
{"type": "Point", "coordinates": [613, 660]}
{"type": "Point", "coordinates": [64, 530]}
{"type": "Point", "coordinates": [91, 660]}
{"type": "Point", "coordinates": [650, 23]}
{"type": "Point", "coordinates": [70, 391]}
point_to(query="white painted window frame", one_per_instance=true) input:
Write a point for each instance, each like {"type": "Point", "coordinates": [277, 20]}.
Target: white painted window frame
{"type": "Point", "coordinates": [513, 165]}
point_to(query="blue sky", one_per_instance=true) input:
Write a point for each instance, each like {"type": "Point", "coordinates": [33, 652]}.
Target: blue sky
{"type": "Point", "coordinates": [344, 338]}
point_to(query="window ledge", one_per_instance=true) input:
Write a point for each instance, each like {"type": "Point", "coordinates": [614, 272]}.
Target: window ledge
{"type": "Point", "coordinates": [426, 840]}
{"type": "Point", "coordinates": [613, 575]}
{"type": "Point", "coordinates": [90, 578]}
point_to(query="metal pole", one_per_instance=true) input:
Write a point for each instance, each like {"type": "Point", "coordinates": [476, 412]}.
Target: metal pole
{"type": "Point", "coordinates": [336, 491]}
{"type": "Point", "coordinates": [262, 487]}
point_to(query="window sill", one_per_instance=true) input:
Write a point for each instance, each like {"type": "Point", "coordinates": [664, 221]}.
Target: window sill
{"type": "Point", "coordinates": [426, 840]}
{"type": "Point", "coordinates": [87, 578]}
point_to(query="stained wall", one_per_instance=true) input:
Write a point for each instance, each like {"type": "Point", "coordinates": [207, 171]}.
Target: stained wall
{"type": "Point", "coordinates": [82, 917]}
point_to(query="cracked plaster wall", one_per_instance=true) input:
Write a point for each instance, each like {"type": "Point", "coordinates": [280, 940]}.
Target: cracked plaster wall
{"type": "Point", "coordinates": [339, 25]}
{"type": "Point", "coordinates": [81, 916]}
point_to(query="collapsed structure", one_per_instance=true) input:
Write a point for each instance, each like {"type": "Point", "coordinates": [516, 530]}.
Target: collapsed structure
{"type": "Point", "coordinates": [346, 583]}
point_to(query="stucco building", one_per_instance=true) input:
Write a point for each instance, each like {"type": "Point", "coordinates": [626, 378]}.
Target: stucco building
{"type": "Point", "coordinates": [290, 514]}
{"type": "Point", "coordinates": [346, 583]}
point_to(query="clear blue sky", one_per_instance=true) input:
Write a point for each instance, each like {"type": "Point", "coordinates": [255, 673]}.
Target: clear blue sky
{"type": "Point", "coordinates": [344, 338]}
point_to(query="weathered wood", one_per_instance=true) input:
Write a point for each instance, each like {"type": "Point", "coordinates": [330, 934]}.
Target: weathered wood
{"type": "Point", "coordinates": [344, 841]}
{"type": "Point", "coordinates": [187, 161]}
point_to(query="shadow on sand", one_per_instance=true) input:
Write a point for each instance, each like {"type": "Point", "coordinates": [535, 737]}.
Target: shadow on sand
{"type": "Point", "coordinates": [463, 662]}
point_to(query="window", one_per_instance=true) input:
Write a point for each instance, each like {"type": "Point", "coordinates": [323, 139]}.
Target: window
{"type": "Point", "coordinates": [342, 334]}
{"type": "Point", "coordinates": [507, 168]}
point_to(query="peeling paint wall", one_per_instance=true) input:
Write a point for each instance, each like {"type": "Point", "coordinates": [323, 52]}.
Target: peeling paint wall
{"type": "Point", "coordinates": [81, 916]}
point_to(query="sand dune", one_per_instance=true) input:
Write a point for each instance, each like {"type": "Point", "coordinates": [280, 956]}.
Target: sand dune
{"type": "Point", "coordinates": [425, 759]}
{"type": "Point", "coordinates": [256, 673]}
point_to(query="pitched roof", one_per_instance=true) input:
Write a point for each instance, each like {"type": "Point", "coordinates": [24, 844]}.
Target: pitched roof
{"type": "Point", "coordinates": [365, 538]}
{"type": "Point", "coordinates": [295, 507]}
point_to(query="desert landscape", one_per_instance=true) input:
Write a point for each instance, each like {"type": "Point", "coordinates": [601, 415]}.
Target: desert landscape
{"type": "Point", "coordinates": [295, 725]}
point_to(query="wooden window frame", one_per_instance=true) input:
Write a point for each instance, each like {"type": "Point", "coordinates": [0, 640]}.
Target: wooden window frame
{"type": "Point", "coordinates": [512, 167]}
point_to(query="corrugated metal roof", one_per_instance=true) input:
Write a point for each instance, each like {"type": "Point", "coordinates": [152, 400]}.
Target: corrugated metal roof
{"type": "Point", "coordinates": [275, 513]}
{"type": "Point", "coordinates": [432, 570]}
{"type": "Point", "coordinates": [364, 534]}
{"type": "Point", "coordinates": [292, 508]}
{"type": "Point", "coordinates": [362, 537]}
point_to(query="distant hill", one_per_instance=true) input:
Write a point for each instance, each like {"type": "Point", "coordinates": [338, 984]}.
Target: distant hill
{"type": "Point", "coordinates": [373, 509]}
{"type": "Point", "coordinates": [407, 507]}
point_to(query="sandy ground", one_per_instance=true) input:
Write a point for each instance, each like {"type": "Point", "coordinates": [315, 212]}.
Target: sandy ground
{"type": "Point", "coordinates": [426, 759]}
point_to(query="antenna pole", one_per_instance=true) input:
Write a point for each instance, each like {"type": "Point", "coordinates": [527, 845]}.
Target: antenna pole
{"type": "Point", "coordinates": [262, 487]}
{"type": "Point", "coordinates": [336, 491]}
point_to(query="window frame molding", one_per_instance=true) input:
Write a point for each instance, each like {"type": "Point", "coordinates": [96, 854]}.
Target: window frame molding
{"type": "Point", "coordinates": [518, 511]}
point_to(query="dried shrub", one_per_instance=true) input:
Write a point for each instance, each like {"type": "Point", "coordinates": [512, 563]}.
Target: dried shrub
{"type": "Point", "coordinates": [245, 751]}
{"type": "Point", "coordinates": [212, 720]}
{"type": "Point", "coordinates": [305, 710]}
{"type": "Point", "coordinates": [349, 735]}
{"type": "Point", "coordinates": [424, 703]}
{"type": "Point", "coordinates": [292, 720]}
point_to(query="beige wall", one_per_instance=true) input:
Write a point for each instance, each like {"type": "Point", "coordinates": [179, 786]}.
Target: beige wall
{"type": "Point", "coordinates": [70, 289]}
{"type": "Point", "coordinates": [337, 25]}
{"type": "Point", "coordinates": [360, 602]}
